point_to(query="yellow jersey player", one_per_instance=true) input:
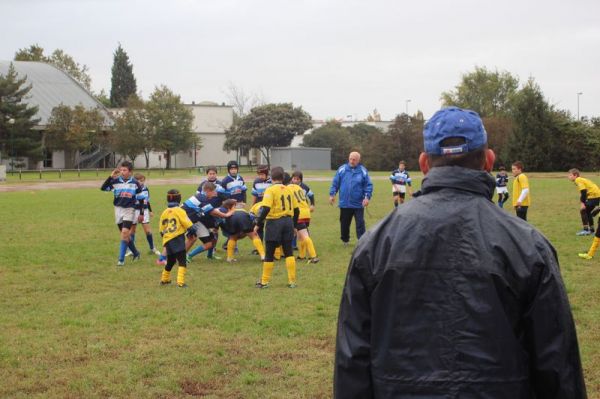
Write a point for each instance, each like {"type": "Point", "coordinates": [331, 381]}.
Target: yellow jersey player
{"type": "Point", "coordinates": [301, 192]}
{"type": "Point", "coordinates": [237, 226]}
{"type": "Point", "coordinates": [521, 195]}
{"type": "Point", "coordinates": [589, 196]}
{"type": "Point", "coordinates": [173, 224]}
{"type": "Point", "coordinates": [280, 210]}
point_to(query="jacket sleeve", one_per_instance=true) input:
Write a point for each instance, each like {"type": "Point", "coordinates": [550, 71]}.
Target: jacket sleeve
{"type": "Point", "coordinates": [107, 185]}
{"type": "Point", "coordinates": [368, 186]}
{"type": "Point", "coordinates": [550, 335]}
{"type": "Point", "coordinates": [335, 184]}
{"type": "Point", "coordinates": [352, 374]}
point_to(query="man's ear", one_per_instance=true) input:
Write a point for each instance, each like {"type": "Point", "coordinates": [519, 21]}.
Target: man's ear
{"type": "Point", "coordinates": [424, 163]}
{"type": "Point", "coordinates": [490, 158]}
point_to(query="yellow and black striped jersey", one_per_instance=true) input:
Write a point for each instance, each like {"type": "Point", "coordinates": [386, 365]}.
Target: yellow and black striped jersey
{"type": "Point", "coordinates": [173, 222]}
{"type": "Point", "coordinates": [281, 200]}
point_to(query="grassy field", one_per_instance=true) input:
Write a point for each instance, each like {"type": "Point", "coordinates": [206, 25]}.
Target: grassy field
{"type": "Point", "coordinates": [75, 326]}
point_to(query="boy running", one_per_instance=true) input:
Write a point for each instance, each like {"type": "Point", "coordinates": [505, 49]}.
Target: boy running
{"type": "Point", "coordinates": [501, 183]}
{"type": "Point", "coordinates": [280, 209]}
{"type": "Point", "coordinates": [521, 194]}
{"type": "Point", "coordinates": [173, 225]}
{"type": "Point", "coordinates": [400, 180]}
{"type": "Point", "coordinates": [125, 188]}
{"type": "Point", "coordinates": [589, 196]}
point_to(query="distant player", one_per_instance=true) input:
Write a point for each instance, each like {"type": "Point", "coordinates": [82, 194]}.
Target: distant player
{"type": "Point", "coordinates": [173, 225]}
{"type": "Point", "coordinates": [280, 210]}
{"type": "Point", "coordinates": [501, 183]}
{"type": "Point", "coordinates": [306, 204]}
{"type": "Point", "coordinates": [202, 209]}
{"type": "Point", "coordinates": [144, 198]}
{"type": "Point", "coordinates": [400, 181]}
{"type": "Point", "coordinates": [125, 188]}
{"type": "Point", "coordinates": [237, 226]}
{"type": "Point", "coordinates": [234, 185]}
{"type": "Point", "coordinates": [589, 197]}
{"type": "Point", "coordinates": [261, 183]}
{"type": "Point", "coordinates": [521, 194]}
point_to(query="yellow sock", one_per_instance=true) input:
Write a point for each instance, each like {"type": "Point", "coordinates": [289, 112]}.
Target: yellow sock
{"type": "Point", "coordinates": [259, 247]}
{"type": "Point", "coordinates": [267, 272]}
{"type": "Point", "coordinates": [302, 249]}
{"type": "Point", "coordinates": [181, 275]}
{"type": "Point", "coordinates": [166, 276]}
{"type": "Point", "coordinates": [277, 254]}
{"type": "Point", "coordinates": [312, 253]}
{"type": "Point", "coordinates": [594, 246]}
{"type": "Point", "coordinates": [290, 265]}
{"type": "Point", "coordinates": [231, 248]}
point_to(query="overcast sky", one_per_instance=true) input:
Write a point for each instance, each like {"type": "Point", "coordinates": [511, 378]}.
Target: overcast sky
{"type": "Point", "coordinates": [334, 58]}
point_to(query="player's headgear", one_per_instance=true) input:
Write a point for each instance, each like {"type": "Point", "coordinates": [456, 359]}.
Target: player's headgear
{"type": "Point", "coordinates": [262, 169]}
{"type": "Point", "coordinates": [454, 122]}
{"type": "Point", "coordinates": [232, 164]}
{"type": "Point", "coordinates": [173, 195]}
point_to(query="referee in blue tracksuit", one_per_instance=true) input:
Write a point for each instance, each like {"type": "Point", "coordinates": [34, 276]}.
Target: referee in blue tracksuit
{"type": "Point", "coordinates": [354, 185]}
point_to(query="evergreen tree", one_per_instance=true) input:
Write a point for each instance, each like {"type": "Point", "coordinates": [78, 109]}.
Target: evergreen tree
{"type": "Point", "coordinates": [123, 83]}
{"type": "Point", "coordinates": [17, 139]}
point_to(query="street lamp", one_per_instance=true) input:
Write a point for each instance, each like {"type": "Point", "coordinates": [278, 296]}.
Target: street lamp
{"type": "Point", "coordinates": [11, 122]}
{"type": "Point", "coordinates": [578, 94]}
{"type": "Point", "coordinates": [406, 105]}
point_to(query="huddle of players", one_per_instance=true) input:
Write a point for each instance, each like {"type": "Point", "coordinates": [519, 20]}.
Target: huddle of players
{"type": "Point", "coordinates": [281, 210]}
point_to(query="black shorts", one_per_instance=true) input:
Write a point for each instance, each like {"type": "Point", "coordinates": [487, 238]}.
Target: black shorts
{"type": "Point", "coordinates": [399, 194]}
{"type": "Point", "coordinates": [176, 245]}
{"type": "Point", "coordinates": [279, 230]}
{"type": "Point", "coordinates": [238, 223]}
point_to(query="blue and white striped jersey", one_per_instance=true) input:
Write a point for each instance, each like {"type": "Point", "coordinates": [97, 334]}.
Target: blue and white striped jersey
{"type": "Point", "coordinates": [235, 186]}
{"type": "Point", "coordinates": [259, 186]}
{"type": "Point", "coordinates": [400, 177]}
{"type": "Point", "coordinates": [125, 191]}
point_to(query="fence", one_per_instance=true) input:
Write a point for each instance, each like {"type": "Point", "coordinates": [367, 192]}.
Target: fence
{"type": "Point", "coordinates": [41, 174]}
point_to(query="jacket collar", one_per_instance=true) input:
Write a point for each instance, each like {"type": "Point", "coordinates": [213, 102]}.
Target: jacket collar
{"type": "Point", "coordinates": [459, 178]}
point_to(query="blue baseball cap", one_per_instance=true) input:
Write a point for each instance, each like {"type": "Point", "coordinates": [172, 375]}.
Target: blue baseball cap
{"type": "Point", "coordinates": [454, 122]}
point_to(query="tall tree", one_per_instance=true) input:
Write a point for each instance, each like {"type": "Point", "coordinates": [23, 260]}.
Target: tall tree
{"type": "Point", "coordinates": [406, 133]}
{"type": "Point", "coordinates": [123, 84]}
{"type": "Point", "coordinates": [331, 135]}
{"type": "Point", "coordinates": [170, 123]}
{"type": "Point", "coordinates": [59, 59]}
{"type": "Point", "coordinates": [489, 93]}
{"type": "Point", "coordinates": [268, 126]}
{"type": "Point", "coordinates": [74, 130]}
{"type": "Point", "coordinates": [17, 118]}
{"type": "Point", "coordinates": [131, 135]}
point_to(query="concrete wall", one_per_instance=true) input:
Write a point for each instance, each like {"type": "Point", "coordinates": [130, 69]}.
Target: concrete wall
{"type": "Point", "coordinates": [302, 158]}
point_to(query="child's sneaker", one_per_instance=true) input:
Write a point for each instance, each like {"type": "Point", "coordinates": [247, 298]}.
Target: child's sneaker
{"type": "Point", "coordinates": [136, 257]}
{"type": "Point", "coordinates": [231, 260]}
{"type": "Point", "coordinates": [261, 285]}
{"type": "Point", "coordinates": [292, 285]}
{"type": "Point", "coordinates": [165, 282]}
{"type": "Point", "coordinates": [129, 253]}
{"type": "Point", "coordinates": [121, 263]}
{"type": "Point", "coordinates": [313, 260]}
{"type": "Point", "coordinates": [182, 285]}
{"type": "Point", "coordinates": [585, 256]}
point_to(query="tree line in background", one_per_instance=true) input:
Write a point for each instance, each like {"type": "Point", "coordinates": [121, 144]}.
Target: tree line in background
{"type": "Point", "coordinates": [161, 124]}
{"type": "Point", "coordinates": [520, 122]}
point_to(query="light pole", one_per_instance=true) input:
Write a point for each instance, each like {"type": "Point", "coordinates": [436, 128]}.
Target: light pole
{"type": "Point", "coordinates": [11, 122]}
{"type": "Point", "coordinates": [578, 94]}
{"type": "Point", "coordinates": [406, 105]}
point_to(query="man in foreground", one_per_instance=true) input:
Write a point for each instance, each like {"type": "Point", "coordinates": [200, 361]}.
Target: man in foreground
{"type": "Point", "coordinates": [450, 297]}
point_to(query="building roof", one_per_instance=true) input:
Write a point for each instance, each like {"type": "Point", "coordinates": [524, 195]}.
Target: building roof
{"type": "Point", "coordinates": [52, 87]}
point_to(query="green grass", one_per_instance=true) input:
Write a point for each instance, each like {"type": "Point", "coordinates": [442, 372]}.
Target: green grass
{"type": "Point", "coordinates": [75, 326]}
